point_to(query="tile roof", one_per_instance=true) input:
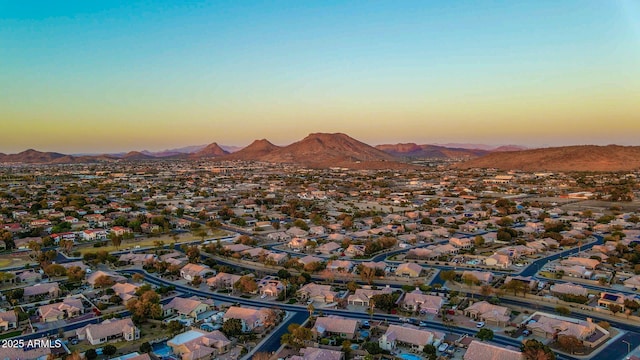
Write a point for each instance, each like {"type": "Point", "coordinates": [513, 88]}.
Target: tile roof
{"type": "Point", "coordinates": [335, 324]}
{"type": "Point", "coordinates": [484, 351]}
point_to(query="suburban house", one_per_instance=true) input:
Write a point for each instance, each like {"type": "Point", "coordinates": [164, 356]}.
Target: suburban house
{"type": "Point", "coordinates": [408, 336]}
{"type": "Point", "coordinates": [137, 259]}
{"type": "Point", "coordinates": [334, 325]}
{"type": "Point", "coordinates": [250, 318]}
{"type": "Point", "coordinates": [489, 313]}
{"type": "Point", "coordinates": [380, 265]}
{"type": "Point", "coordinates": [186, 307]}
{"type": "Point", "coordinates": [91, 279]}
{"type": "Point", "coordinates": [480, 350]}
{"type": "Point", "coordinates": [328, 248]}
{"type": "Point", "coordinates": [577, 271]}
{"type": "Point", "coordinates": [190, 271]}
{"type": "Point", "coordinates": [362, 297]}
{"type": "Point", "coordinates": [125, 291]}
{"type": "Point", "coordinates": [8, 320]}
{"type": "Point", "coordinates": [109, 330]}
{"type": "Point", "coordinates": [309, 259]}
{"type": "Point", "coordinates": [270, 287]}
{"type": "Point", "coordinates": [528, 281]}
{"type": "Point", "coordinates": [277, 257]}
{"type": "Point", "coordinates": [28, 277]}
{"type": "Point", "coordinates": [37, 352]}
{"type": "Point", "coordinates": [421, 253]}
{"type": "Point", "coordinates": [68, 308]}
{"type": "Point", "coordinates": [354, 250]}
{"type": "Point", "coordinates": [484, 277]}
{"type": "Point", "coordinates": [297, 243]}
{"type": "Point", "coordinates": [340, 265]}
{"type": "Point", "coordinates": [409, 270]}
{"type": "Point", "coordinates": [49, 290]}
{"type": "Point", "coordinates": [607, 300]}
{"type": "Point", "coordinates": [461, 243]}
{"type": "Point", "coordinates": [197, 344]}
{"type": "Point", "coordinates": [498, 260]}
{"type": "Point", "coordinates": [551, 326]}
{"type": "Point", "coordinates": [633, 282]}
{"type": "Point", "coordinates": [310, 353]}
{"type": "Point", "coordinates": [315, 292]}
{"type": "Point", "coordinates": [419, 302]}
{"type": "Point", "coordinates": [568, 288]}
{"type": "Point", "coordinates": [120, 231]}
{"type": "Point", "coordinates": [590, 264]}
{"type": "Point", "coordinates": [223, 280]}
{"type": "Point", "coordinates": [94, 234]}
{"type": "Point", "coordinates": [237, 248]}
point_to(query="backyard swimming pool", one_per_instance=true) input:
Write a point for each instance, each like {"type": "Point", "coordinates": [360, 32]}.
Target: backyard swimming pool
{"type": "Point", "coordinates": [409, 357]}
{"type": "Point", "coordinates": [162, 350]}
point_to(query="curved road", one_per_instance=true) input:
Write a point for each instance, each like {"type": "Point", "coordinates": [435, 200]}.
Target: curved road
{"type": "Point", "coordinates": [498, 339]}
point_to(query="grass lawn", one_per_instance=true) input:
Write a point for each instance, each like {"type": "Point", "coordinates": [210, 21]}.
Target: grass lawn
{"type": "Point", "coordinates": [149, 242]}
{"type": "Point", "coordinates": [10, 334]}
{"type": "Point", "coordinates": [9, 260]}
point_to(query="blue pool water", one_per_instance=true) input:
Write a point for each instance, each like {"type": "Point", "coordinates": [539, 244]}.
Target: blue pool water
{"type": "Point", "coordinates": [161, 349]}
{"type": "Point", "coordinates": [409, 357]}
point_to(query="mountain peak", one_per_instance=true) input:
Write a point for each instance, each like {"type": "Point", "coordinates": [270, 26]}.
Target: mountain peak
{"type": "Point", "coordinates": [211, 150]}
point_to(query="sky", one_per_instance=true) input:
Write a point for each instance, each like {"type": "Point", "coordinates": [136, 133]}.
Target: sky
{"type": "Point", "coordinates": [108, 76]}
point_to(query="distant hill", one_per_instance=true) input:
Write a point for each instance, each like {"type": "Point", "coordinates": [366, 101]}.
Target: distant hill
{"type": "Point", "coordinates": [509, 148]}
{"type": "Point", "coordinates": [255, 151]}
{"type": "Point", "coordinates": [482, 147]}
{"type": "Point", "coordinates": [415, 151]}
{"type": "Point", "coordinates": [322, 150]}
{"type": "Point", "coordinates": [137, 155]}
{"type": "Point", "coordinates": [38, 157]}
{"type": "Point", "coordinates": [566, 158]}
{"type": "Point", "coordinates": [31, 157]}
{"type": "Point", "coordinates": [211, 150]}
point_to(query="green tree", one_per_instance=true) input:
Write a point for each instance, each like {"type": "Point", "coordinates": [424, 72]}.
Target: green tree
{"type": "Point", "coordinates": [174, 327]}
{"type": "Point", "coordinates": [109, 350]}
{"type": "Point", "coordinates": [91, 354]}
{"type": "Point", "coordinates": [535, 350]}
{"type": "Point", "coordinates": [569, 343]}
{"type": "Point", "coordinates": [193, 253]}
{"type": "Point", "coordinates": [7, 238]}
{"type": "Point", "coordinates": [563, 310]}
{"type": "Point", "coordinates": [146, 306]}
{"type": "Point", "coordinates": [384, 301]}
{"type": "Point", "coordinates": [75, 274]}
{"type": "Point", "coordinates": [485, 334]}
{"type": "Point", "coordinates": [232, 327]}
{"type": "Point", "coordinates": [145, 347]}
{"type": "Point", "coordinates": [246, 284]}
{"type": "Point", "coordinates": [296, 336]}
{"type": "Point", "coordinates": [478, 241]}
{"type": "Point", "coordinates": [447, 275]}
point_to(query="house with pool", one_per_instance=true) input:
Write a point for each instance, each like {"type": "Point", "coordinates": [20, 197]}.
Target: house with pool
{"type": "Point", "coordinates": [409, 337]}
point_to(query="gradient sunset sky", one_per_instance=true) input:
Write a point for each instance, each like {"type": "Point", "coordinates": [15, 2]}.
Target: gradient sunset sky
{"type": "Point", "coordinates": [107, 76]}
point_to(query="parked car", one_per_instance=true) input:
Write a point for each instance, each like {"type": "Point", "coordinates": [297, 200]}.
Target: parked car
{"type": "Point", "coordinates": [443, 347]}
{"type": "Point", "coordinates": [480, 324]}
{"type": "Point", "coordinates": [526, 332]}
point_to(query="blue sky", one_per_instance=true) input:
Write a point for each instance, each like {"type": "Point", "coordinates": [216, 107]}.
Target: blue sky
{"type": "Point", "coordinates": [163, 74]}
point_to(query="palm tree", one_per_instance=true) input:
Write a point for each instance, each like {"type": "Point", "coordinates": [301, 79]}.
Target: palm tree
{"type": "Point", "coordinates": [311, 309]}
{"type": "Point", "coordinates": [371, 309]}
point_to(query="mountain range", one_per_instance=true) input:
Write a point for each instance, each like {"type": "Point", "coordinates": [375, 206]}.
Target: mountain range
{"type": "Point", "coordinates": [563, 158]}
{"type": "Point", "coordinates": [322, 150]}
